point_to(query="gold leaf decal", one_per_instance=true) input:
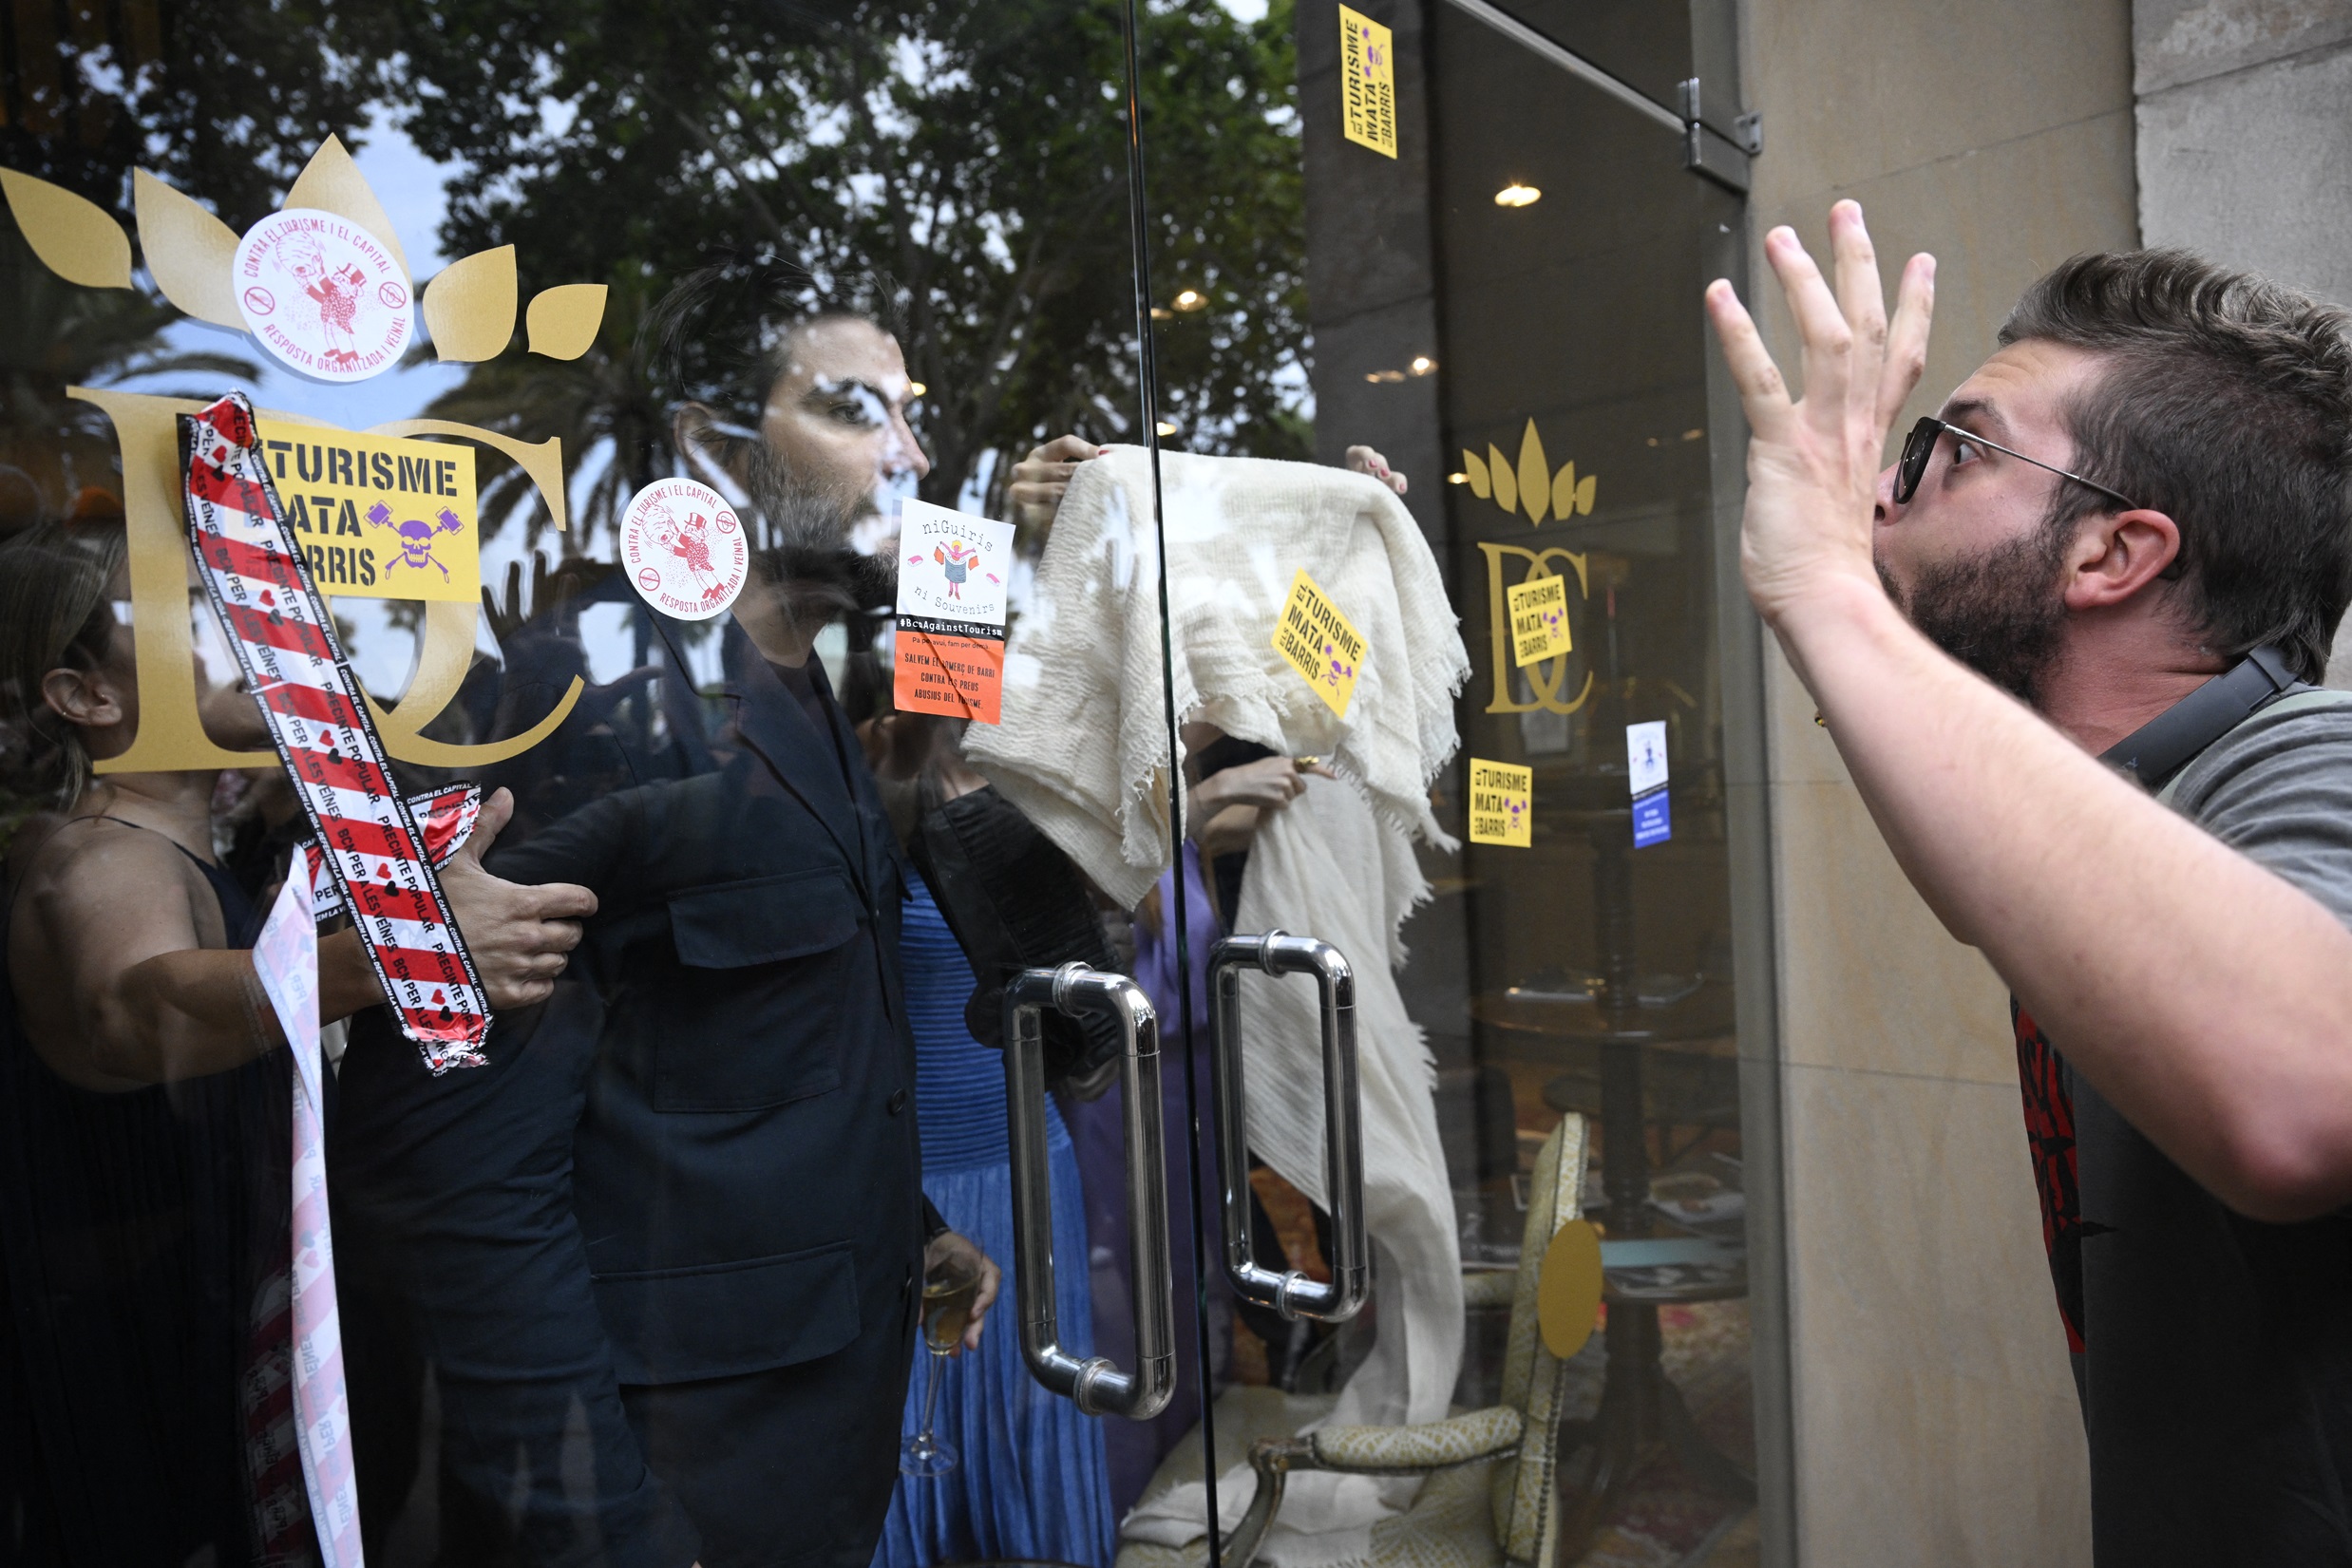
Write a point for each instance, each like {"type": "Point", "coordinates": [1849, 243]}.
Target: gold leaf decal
{"type": "Point", "coordinates": [563, 320]}
{"type": "Point", "coordinates": [191, 252]}
{"type": "Point", "coordinates": [1563, 492]}
{"type": "Point", "coordinates": [1475, 466]}
{"type": "Point", "coordinates": [470, 307]}
{"type": "Point", "coordinates": [73, 238]}
{"type": "Point", "coordinates": [331, 183]}
{"type": "Point", "coordinates": [1535, 479]}
{"type": "Point", "coordinates": [1505, 482]}
{"type": "Point", "coordinates": [1583, 495]}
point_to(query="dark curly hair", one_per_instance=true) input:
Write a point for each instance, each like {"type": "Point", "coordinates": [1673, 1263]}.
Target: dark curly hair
{"type": "Point", "coordinates": [2224, 402]}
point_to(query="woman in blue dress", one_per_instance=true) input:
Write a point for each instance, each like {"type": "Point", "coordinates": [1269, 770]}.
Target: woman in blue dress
{"type": "Point", "coordinates": [1031, 1480]}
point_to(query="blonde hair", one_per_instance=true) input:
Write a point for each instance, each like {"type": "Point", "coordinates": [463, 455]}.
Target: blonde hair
{"type": "Point", "coordinates": [54, 614]}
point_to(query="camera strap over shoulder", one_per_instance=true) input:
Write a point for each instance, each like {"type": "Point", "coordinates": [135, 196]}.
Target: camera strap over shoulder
{"type": "Point", "coordinates": [2157, 750]}
{"type": "Point", "coordinates": [2294, 701]}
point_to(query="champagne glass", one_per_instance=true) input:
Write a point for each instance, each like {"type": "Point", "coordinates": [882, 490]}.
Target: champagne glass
{"type": "Point", "coordinates": [948, 1289]}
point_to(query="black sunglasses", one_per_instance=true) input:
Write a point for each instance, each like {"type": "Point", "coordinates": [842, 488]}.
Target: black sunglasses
{"type": "Point", "coordinates": [1921, 445]}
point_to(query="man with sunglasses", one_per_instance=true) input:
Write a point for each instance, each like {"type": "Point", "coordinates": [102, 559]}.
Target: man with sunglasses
{"type": "Point", "coordinates": [2061, 645]}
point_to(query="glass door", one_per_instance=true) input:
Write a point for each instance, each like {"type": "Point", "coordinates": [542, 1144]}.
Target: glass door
{"type": "Point", "coordinates": [602, 469]}
{"type": "Point", "coordinates": [1494, 549]}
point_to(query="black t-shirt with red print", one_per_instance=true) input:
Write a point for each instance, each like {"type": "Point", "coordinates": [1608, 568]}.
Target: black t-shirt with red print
{"type": "Point", "coordinates": [2213, 1353]}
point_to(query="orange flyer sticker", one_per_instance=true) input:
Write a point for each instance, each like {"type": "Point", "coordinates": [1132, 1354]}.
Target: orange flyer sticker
{"type": "Point", "coordinates": [953, 570]}
{"type": "Point", "coordinates": [961, 677]}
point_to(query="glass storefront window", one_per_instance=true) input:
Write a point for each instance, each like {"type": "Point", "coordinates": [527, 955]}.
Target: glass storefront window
{"type": "Point", "coordinates": [719, 438]}
{"type": "Point", "coordinates": [1501, 258]}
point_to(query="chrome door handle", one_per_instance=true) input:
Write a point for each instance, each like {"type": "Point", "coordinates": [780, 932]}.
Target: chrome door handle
{"type": "Point", "coordinates": [1292, 1294]}
{"type": "Point", "coordinates": [1097, 1385]}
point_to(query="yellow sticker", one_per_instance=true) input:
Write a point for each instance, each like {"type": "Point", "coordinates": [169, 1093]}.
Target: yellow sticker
{"type": "Point", "coordinates": [1539, 620]}
{"type": "Point", "coordinates": [380, 517]}
{"type": "Point", "coordinates": [1320, 644]}
{"type": "Point", "coordinates": [1367, 82]}
{"type": "Point", "coordinates": [1502, 798]}
{"type": "Point", "coordinates": [1567, 1291]}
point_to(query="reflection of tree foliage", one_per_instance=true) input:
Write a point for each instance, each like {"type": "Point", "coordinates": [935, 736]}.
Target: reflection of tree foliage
{"type": "Point", "coordinates": [226, 99]}
{"type": "Point", "coordinates": [973, 152]}
{"type": "Point", "coordinates": [54, 334]}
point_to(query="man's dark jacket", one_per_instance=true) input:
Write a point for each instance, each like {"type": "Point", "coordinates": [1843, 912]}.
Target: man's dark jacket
{"type": "Point", "coordinates": [657, 1261]}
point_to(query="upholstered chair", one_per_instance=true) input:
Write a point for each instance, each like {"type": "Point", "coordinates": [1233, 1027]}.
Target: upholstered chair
{"type": "Point", "coordinates": [1489, 1495]}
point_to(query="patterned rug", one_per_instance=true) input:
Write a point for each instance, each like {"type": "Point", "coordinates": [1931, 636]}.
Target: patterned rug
{"type": "Point", "coordinates": [1667, 1519]}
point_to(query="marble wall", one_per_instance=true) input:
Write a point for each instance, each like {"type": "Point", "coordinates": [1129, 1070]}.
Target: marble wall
{"type": "Point", "coordinates": [2243, 141]}
{"type": "Point", "coordinates": [1933, 1421]}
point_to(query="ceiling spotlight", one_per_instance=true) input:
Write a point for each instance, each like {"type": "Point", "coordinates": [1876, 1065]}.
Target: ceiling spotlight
{"type": "Point", "coordinates": [1422, 365]}
{"type": "Point", "coordinates": [1165, 427]}
{"type": "Point", "coordinates": [1192, 299]}
{"type": "Point", "coordinates": [916, 388]}
{"type": "Point", "coordinates": [1457, 479]}
{"type": "Point", "coordinates": [1516, 195]}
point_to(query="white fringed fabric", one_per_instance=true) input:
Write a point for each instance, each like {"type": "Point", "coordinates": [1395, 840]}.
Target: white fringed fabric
{"type": "Point", "coordinates": [1083, 750]}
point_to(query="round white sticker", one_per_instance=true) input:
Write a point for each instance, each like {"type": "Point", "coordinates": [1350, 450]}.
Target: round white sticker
{"type": "Point", "coordinates": [683, 548]}
{"type": "Point", "coordinates": [323, 295]}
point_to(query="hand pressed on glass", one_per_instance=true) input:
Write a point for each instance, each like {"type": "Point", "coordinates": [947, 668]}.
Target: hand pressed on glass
{"type": "Point", "coordinates": [1814, 463]}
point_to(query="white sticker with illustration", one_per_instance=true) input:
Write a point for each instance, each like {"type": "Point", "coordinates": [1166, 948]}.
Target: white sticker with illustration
{"type": "Point", "coordinates": [684, 550]}
{"type": "Point", "coordinates": [1645, 756]}
{"type": "Point", "coordinates": [323, 295]}
{"type": "Point", "coordinates": [956, 565]}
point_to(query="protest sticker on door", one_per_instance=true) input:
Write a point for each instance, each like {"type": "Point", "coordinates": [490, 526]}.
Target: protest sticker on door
{"type": "Point", "coordinates": [378, 517]}
{"type": "Point", "coordinates": [1502, 799]}
{"type": "Point", "coordinates": [1320, 643]}
{"type": "Point", "coordinates": [684, 550]}
{"type": "Point", "coordinates": [1367, 82]}
{"type": "Point", "coordinates": [323, 295]}
{"type": "Point", "coordinates": [1539, 620]}
{"type": "Point", "coordinates": [953, 569]}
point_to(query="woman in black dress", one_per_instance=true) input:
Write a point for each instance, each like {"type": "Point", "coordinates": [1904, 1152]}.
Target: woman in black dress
{"type": "Point", "coordinates": [146, 1415]}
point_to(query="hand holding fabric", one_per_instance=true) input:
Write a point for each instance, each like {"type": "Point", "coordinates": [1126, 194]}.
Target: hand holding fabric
{"type": "Point", "coordinates": [1040, 480]}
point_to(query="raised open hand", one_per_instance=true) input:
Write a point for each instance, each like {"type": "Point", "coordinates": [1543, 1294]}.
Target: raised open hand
{"type": "Point", "coordinates": [520, 936]}
{"type": "Point", "coordinates": [1813, 464]}
{"type": "Point", "coordinates": [572, 577]}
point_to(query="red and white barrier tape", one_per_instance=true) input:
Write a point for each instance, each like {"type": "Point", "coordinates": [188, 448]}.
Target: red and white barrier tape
{"type": "Point", "coordinates": [286, 959]}
{"type": "Point", "coordinates": [286, 642]}
{"type": "Point", "coordinates": [446, 815]}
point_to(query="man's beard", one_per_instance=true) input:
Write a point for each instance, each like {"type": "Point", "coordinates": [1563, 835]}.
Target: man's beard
{"type": "Point", "coordinates": [806, 548]}
{"type": "Point", "coordinates": [1998, 612]}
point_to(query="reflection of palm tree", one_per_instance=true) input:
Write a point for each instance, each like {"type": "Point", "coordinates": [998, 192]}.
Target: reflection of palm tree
{"type": "Point", "coordinates": [53, 335]}
{"type": "Point", "coordinates": [598, 405]}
